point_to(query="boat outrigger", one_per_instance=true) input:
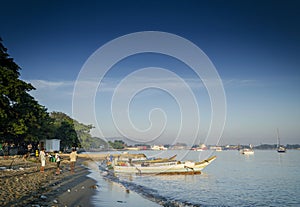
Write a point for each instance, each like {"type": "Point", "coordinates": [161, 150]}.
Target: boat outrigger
{"type": "Point", "coordinates": [160, 166]}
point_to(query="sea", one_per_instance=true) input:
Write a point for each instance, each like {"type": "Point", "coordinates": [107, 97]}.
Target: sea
{"type": "Point", "coordinates": [266, 178]}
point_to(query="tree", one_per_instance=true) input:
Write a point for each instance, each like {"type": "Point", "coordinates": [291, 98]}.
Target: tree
{"type": "Point", "coordinates": [71, 132]}
{"type": "Point", "coordinates": [117, 144]}
{"type": "Point", "coordinates": [83, 133]}
{"type": "Point", "coordinates": [96, 143]}
{"type": "Point", "coordinates": [64, 130]}
{"type": "Point", "coordinates": [67, 135]}
{"type": "Point", "coordinates": [22, 118]}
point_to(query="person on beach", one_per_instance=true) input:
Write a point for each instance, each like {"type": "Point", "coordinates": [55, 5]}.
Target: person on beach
{"type": "Point", "coordinates": [57, 159]}
{"type": "Point", "coordinates": [29, 148]}
{"type": "Point", "coordinates": [73, 158]}
{"type": "Point", "coordinates": [43, 160]}
{"type": "Point", "coordinates": [27, 155]}
{"type": "Point", "coordinates": [6, 150]}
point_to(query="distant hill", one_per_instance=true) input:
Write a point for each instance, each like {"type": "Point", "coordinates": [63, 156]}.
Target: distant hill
{"type": "Point", "coordinates": [97, 143]}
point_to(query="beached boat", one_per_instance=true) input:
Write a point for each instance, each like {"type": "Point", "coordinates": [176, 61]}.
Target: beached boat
{"type": "Point", "coordinates": [125, 157]}
{"type": "Point", "coordinates": [169, 166]}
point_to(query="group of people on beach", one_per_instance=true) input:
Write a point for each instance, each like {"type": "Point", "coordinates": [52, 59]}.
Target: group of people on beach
{"type": "Point", "coordinates": [43, 157]}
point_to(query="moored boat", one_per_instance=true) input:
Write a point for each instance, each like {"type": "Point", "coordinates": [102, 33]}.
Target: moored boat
{"type": "Point", "coordinates": [247, 151]}
{"type": "Point", "coordinates": [280, 148]}
{"type": "Point", "coordinates": [158, 147]}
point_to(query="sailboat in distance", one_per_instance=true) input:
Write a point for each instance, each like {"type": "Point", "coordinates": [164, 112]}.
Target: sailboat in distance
{"type": "Point", "coordinates": [280, 149]}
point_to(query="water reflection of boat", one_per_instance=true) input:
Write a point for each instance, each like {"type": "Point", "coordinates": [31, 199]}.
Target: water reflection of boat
{"type": "Point", "coordinates": [169, 166]}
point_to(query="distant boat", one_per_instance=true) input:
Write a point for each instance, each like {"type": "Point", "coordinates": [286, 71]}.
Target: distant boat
{"type": "Point", "coordinates": [158, 147]}
{"type": "Point", "coordinates": [280, 149]}
{"type": "Point", "coordinates": [163, 166]}
{"type": "Point", "coordinates": [218, 149]}
{"type": "Point", "coordinates": [247, 151]}
{"type": "Point", "coordinates": [199, 149]}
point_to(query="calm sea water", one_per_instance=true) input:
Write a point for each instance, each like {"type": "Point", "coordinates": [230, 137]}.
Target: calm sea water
{"type": "Point", "coordinates": [266, 178]}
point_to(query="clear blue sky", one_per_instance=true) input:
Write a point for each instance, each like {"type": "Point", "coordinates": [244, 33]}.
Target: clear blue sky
{"type": "Point", "coordinates": [254, 45]}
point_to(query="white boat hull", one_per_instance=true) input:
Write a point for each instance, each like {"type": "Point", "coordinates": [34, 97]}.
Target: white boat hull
{"type": "Point", "coordinates": [247, 151]}
{"type": "Point", "coordinates": [281, 149]}
{"type": "Point", "coordinates": [166, 167]}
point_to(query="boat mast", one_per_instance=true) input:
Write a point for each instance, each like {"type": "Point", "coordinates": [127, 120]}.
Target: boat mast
{"type": "Point", "coordinates": [278, 140]}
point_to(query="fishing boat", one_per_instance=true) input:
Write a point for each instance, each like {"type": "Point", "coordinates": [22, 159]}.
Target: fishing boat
{"type": "Point", "coordinates": [169, 166]}
{"type": "Point", "coordinates": [280, 148]}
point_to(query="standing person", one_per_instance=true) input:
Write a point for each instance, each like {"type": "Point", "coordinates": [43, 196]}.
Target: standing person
{"type": "Point", "coordinates": [43, 160]}
{"type": "Point", "coordinates": [6, 151]}
{"type": "Point", "coordinates": [29, 148]}
{"type": "Point", "coordinates": [57, 159]}
{"type": "Point", "coordinates": [73, 158]}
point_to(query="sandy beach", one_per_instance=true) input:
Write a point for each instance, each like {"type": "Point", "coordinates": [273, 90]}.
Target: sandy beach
{"type": "Point", "coordinates": [22, 183]}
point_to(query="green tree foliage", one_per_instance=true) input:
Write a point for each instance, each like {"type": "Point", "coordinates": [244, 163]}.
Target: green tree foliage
{"type": "Point", "coordinates": [64, 130]}
{"type": "Point", "coordinates": [72, 133]}
{"type": "Point", "coordinates": [21, 117]}
{"type": "Point", "coordinates": [24, 120]}
{"type": "Point", "coordinates": [83, 133]}
{"type": "Point", "coordinates": [97, 143]}
{"type": "Point", "coordinates": [67, 134]}
{"type": "Point", "coordinates": [117, 144]}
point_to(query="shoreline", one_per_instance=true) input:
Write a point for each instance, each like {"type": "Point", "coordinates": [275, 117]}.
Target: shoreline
{"type": "Point", "coordinates": [24, 185]}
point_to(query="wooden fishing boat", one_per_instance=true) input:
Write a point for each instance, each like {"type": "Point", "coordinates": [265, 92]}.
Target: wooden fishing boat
{"type": "Point", "coordinates": [162, 167]}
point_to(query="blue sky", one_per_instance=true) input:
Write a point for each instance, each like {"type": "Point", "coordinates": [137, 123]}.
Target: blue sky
{"type": "Point", "coordinates": [254, 46]}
